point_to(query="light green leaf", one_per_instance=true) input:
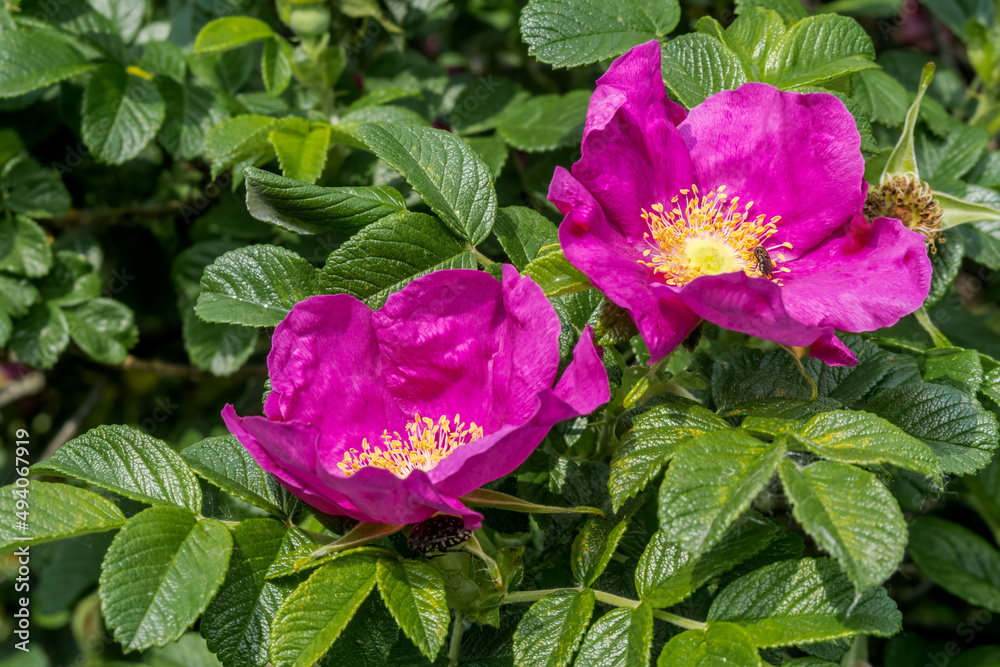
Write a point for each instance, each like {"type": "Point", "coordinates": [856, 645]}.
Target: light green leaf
{"type": "Point", "coordinates": [853, 436]}
{"type": "Point", "coordinates": [498, 500]}
{"type": "Point", "coordinates": [789, 10]}
{"type": "Point", "coordinates": [545, 122]}
{"type": "Point", "coordinates": [697, 65]}
{"type": "Point", "coordinates": [415, 595]}
{"type": "Point", "coordinates": [569, 33]}
{"type": "Point", "coordinates": [851, 515]}
{"type": "Point", "coordinates": [231, 32]}
{"type": "Point", "coordinates": [596, 543]}
{"type": "Point", "coordinates": [954, 425]}
{"type": "Point", "coordinates": [347, 129]}
{"type": "Point", "coordinates": [552, 628]}
{"type": "Point", "coordinates": [301, 147]}
{"type": "Point", "coordinates": [553, 272]}
{"type": "Point", "coordinates": [103, 328]}
{"type": "Point", "coordinates": [188, 651]}
{"type": "Point", "coordinates": [227, 464]}
{"type": "Point", "coordinates": [903, 159]}
{"type": "Point", "coordinates": [523, 232]}
{"type": "Point", "coordinates": [24, 247]}
{"type": "Point", "coordinates": [52, 512]}
{"type": "Point", "coordinates": [623, 637]}
{"type": "Point", "coordinates": [955, 211]}
{"type": "Point", "coordinates": [31, 59]}
{"type": "Point", "coordinates": [958, 560]}
{"type": "Point", "coordinates": [121, 114]}
{"type": "Point", "coordinates": [666, 574]}
{"type": "Point", "coordinates": [313, 616]}
{"type": "Point", "coordinates": [276, 66]}
{"type": "Point", "coordinates": [386, 255]}
{"type": "Point", "coordinates": [240, 139]}
{"type": "Point", "coordinates": [817, 49]}
{"type": "Point", "coordinates": [719, 645]}
{"type": "Point", "coordinates": [310, 209]}
{"type": "Point", "coordinates": [237, 623]}
{"type": "Point", "coordinates": [803, 602]}
{"type": "Point", "coordinates": [255, 285]}
{"type": "Point", "coordinates": [160, 573]}
{"type": "Point", "coordinates": [711, 481]}
{"type": "Point", "coordinates": [190, 115]}
{"type": "Point", "coordinates": [443, 170]}
{"type": "Point", "coordinates": [653, 438]}
{"type": "Point", "coordinates": [128, 462]}
{"type": "Point", "coordinates": [41, 336]}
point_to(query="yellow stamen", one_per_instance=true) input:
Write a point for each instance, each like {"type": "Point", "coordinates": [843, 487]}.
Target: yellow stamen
{"type": "Point", "coordinates": [423, 445]}
{"type": "Point", "coordinates": [706, 235]}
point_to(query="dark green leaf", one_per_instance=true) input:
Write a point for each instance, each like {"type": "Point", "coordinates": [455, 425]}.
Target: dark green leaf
{"type": "Point", "coordinates": [103, 328]}
{"type": "Point", "coordinates": [523, 233]}
{"type": "Point", "coordinates": [415, 595]}
{"type": "Point", "coordinates": [958, 560]}
{"type": "Point", "coordinates": [546, 122]}
{"type": "Point", "coordinates": [31, 59]}
{"type": "Point", "coordinates": [24, 247]}
{"type": "Point", "coordinates": [41, 336]}
{"type": "Point", "coordinates": [122, 112]}
{"type": "Point", "coordinates": [552, 628]}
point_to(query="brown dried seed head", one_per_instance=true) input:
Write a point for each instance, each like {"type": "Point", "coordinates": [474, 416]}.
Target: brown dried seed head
{"type": "Point", "coordinates": [910, 201]}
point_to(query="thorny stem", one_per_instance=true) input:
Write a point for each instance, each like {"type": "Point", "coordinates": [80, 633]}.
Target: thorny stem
{"type": "Point", "coordinates": [455, 646]}
{"type": "Point", "coordinates": [939, 339]}
{"type": "Point", "coordinates": [606, 598]}
{"type": "Point", "coordinates": [802, 369]}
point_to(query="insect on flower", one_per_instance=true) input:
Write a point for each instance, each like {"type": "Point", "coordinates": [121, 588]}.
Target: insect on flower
{"type": "Point", "coordinates": [764, 263]}
{"type": "Point", "coordinates": [439, 533]}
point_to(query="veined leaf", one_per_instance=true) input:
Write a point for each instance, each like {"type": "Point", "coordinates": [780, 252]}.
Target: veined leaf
{"type": "Point", "coordinates": [523, 232]}
{"type": "Point", "coordinates": [718, 644]}
{"type": "Point", "coordinates": [545, 122]}
{"type": "Point", "coordinates": [121, 114]}
{"type": "Point", "coordinates": [958, 560]}
{"type": "Point", "coordinates": [57, 511]}
{"type": "Point", "coordinates": [553, 272]}
{"type": "Point", "coordinates": [414, 592]}
{"type": "Point", "coordinates": [301, 148]}
{"type": "Point", "coordinates": [31, 59]}
{"type": "Point", "coordinates": [623, 637]}
{"type": "Point", "coordinates": [552, 628]}
{"type": "Point", "coordinates": [230, 32]}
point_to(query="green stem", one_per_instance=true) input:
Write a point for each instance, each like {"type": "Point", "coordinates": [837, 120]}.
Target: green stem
{"type": "Point", "coordinates": [685, 623]}
{"type": "Point", "coordinates": [802, 369]}
{"type": "Point", "coordinates": [939, 339]}
{"type": "Point", "coordinates": [530, 596]}
{"type": "Point", "coordinates": [483, 259]}
{"type": "Point", "coordinates": [455, 646]}
{"type": "Point", "coordinates": [616, 600]}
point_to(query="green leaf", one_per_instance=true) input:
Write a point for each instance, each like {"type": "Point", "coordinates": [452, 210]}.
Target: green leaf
{"type": "Point", "coordinates": [803, 602]}
{"type": "Point", "coordinates": [853, 436]}
{"type": "Point", "coordinates": [347, 130]}
{"type": "Point", "coordinates": [666, 574]}
{"type": "Point", "coordinates": [231, 32]}
{"type": "Point", "coordinates": [276, 66]}
{"type": "Point", "coordinates": [522, 233]}
{"type": "Point", "coordinates": [32, 190]}
{"type": "Point", "coordinates": [883, 98]}
{"type": "Point", "coordinates": [711, 481]}
{"type": "Point", "coordinates": [817, 49]}
{"type": "Point", "coordinates": [368, 639]}
{"type": "Point", "coordinates": [653, 438]}
{"type": "Point", "coordinates": [415, 595]}
{"type": "Point", "coordinates": [595, 544]}
{"type": "Point", "coordinates": [956, 367]}
{"type": "Point", "coordinates": [444, 170]}
{"type": "Point", "coordinates": [121, 114]}
{"type": "Point", "coordinates": [498, 500]}
{"type": "Point", "coordinates": [71, 281]}
{"type": "Point", "coordinates": [190, 116]}
{"type": "Point", "coordinates": [255, 285]}
{"type": "Point", "coordinates": [493, 150]}
{"type": "Point", "coordinates": [553, 272]}
{"type": "Point", "coordinates": [309, 209]}
{"type": "Point", "coordinates": [697, 65]}
{"type": "Point", "coordinates": [389, 253]}
{"type": "Point", "coordinates": [53, 512]}
{"type": "Point", "coordinates": [313, 616]}
{"type": "Point", "coordinates": [718, 645]}
{"type": "Point", "coordinates": [237, 623]}
{"type": "Point", "coordinates": [160, 573]}
{"type": "Point", "coordinates": [545, 122]}
{"type": "Point", "coordinates": [623, 637]}
{"type": "Point", "coordinates": [955, 211]}
{"type": "Point", "coordinates": [24, 247]}
{"type": "Point", "coordinates": [301, 147]}
{"type": "Point", "coordinates": [953, 424]}
{"type": "Point", "coordinates": [238, 140]}
{"type": "Point", "coordinates": [745, 376]}
{"type": "Point", "coordinates": [775, 416]}
{"type": "Point", "coordinates": [552, 628]}
{"type": "Point", "coordinates": [958, 560]}
{"type": "Point", "coordinates": [945, 264]}
{"type": "Point", "coordinates": [227, 464]}
{"type": "Point", "coordinates": [569, 33]}
{"type": "Point", "coordinates": [41, 336]}
{"type": "Point", "coordinates": [31, 59]}
{"type": "Point", "coordinates": [220, 349]}
{"type": "Point", "coordinates": [128, 462]}
{"type": "Point", "coordinates": [188, 651]}
{"type": "Point", "coordinates": [789, 10]}
{"type": "Point", "coordinates": [73, 570]}
{"type": "Point", "coordinates": [103, 328]}
{"type": "Point", "coordinates": [851, 515]}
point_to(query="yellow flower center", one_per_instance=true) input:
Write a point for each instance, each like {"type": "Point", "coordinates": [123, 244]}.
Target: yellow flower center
{"type": "Point", "coordinates": [710, 235]}
{"type": "Point", "coordinates": [424, 443]}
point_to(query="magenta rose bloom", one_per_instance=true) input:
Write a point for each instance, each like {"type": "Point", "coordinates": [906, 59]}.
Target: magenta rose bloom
{"type": "Point", "coordinates": [747, 213]}
{"type": "Point", "coordinates": [391, 416]}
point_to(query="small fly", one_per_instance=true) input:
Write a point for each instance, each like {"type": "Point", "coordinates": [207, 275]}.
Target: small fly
{"type": "Point", "coordinates": [764, 263]}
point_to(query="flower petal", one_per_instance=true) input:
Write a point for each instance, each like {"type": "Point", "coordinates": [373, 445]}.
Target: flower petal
{"type": "Point", "coordinates": [601, 252]}
{"type": "Point", "coordinates": [863, 280]}
{"type": "Point", "coordinates": [461, 342]}
{"type": "Point", "coordinates": [324, 350]}
{"type": "Point", "coordinates": [793, 155]}
{"type": "Point", "coordinates": [632, 155]}
{"type": "Point", "coordinates": [581, 390]}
